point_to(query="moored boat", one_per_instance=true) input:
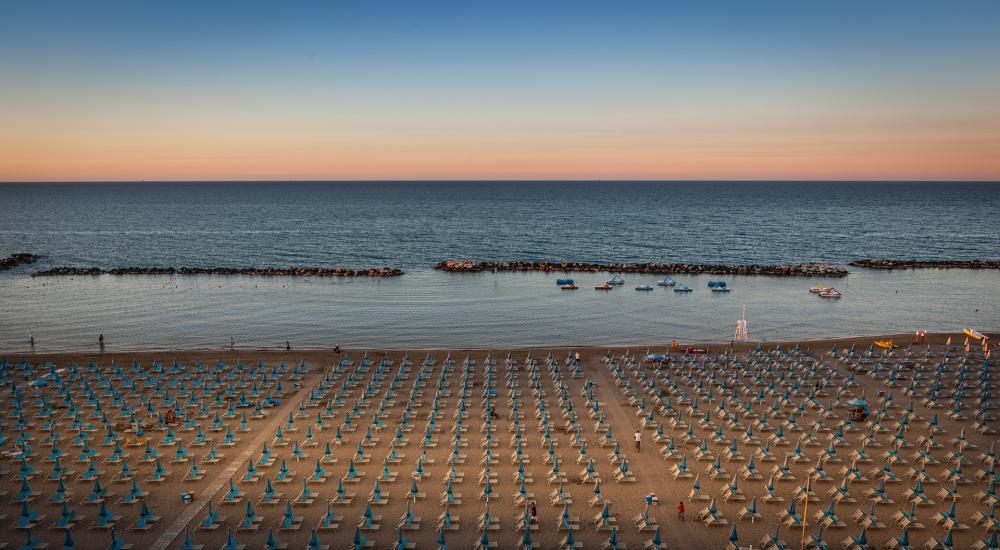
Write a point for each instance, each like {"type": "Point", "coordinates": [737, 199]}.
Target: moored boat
{"type": "Point", "coordinates": [616, 280]}
{"type": "Point", "coordinates": [561, 282]}
{"type": "Point", "coordinates": [819, 288]}
{"type": "Point", "coordinates": [682, 288]}
{"type": "Point", "coordinates": [974, 334]}
{"type": "Point", "coordinates": [644, 287]}
{"type": "Point", "coordinates": [830, 293]}
{"type": "Point", "coordinates": [721, 289]}
{"type": "Point", "coordinates": [717, 284]}
{"type": "Point", "coordinates": [666, 281]}
{"type": "Point", "coordinates": [603, 286]}
{"type": "Point", "coordinates": [569, 286]}
{"type": "Point", "coordinates": [885, 344]}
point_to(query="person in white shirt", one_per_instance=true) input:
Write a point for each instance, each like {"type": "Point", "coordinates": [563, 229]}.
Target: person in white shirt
{"type": "Point", "coordinates": [638, 440]}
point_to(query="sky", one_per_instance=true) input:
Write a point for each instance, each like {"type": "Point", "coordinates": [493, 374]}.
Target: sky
{"type": "Point", "coordinates": [369, 90]}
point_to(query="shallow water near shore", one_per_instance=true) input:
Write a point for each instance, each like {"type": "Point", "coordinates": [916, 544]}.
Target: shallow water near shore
{"type": "Point", "coordinates": [413, 225]}
{"type": "Point", "coordinates": [434, 309]}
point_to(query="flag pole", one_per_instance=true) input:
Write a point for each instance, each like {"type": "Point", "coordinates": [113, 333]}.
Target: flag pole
{"type": "Point", "coordinates": [805, 511]}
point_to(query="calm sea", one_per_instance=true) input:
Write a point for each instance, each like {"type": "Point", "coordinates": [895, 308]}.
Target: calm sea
{"type": "Point", "coordinates": [412, 225]}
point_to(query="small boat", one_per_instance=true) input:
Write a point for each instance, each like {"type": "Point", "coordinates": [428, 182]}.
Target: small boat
{"type": "Point", "coordinates": [682, 288]}
{"type": "Point", "coordinates": [616, 280]}
{"type": "Point", "coordinates": [603, 286]}
{"type": "Point", "coordinates": [569, 286]}
{"type": "Point", "coordinates": [885, 344]}
{"type": "Point", "coordinates": [974, 334]}
{"type": "Point", "coordinates": [830, 293]}
{"type": "Point", "coordinates": [819, 288]}
{"type": "Point", "coordinates": [721, 289]}
{"type": "Point", "coordinates": [666, 281]}
{"type": "Point", "coordinates": [644, 287]}
{"type": "Point", "coordinates": [561, 282]}
{"type": "Point", "coordinates": [716, 284]}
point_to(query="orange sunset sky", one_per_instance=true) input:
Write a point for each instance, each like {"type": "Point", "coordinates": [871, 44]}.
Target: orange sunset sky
{"type": "Point", "coordinates": [712, 90]}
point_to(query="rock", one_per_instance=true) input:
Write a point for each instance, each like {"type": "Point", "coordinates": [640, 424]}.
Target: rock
{"type": "Point", "coordinates": [884, 263]}
{"type": "Point", "coordinates": [798, 270]}
{"type": "Point", "coordinates": [68, 271]}
{"type": "Point", "coordinates": [250, 271]}
{"type": "Point", "coordinates": [14, 260]}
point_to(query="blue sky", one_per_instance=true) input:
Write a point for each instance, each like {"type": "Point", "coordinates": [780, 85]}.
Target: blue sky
{"type": "Point", "coordinates": [121, 90]}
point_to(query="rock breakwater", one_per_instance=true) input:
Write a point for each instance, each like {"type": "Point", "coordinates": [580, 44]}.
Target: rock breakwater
{"type": "Point", "coordinates": [14, 260]}
{"type": "Point", "coordinates": [883, 263]}
{"type": "Point", "coordinates": [251, 271]}
{"type": "Point", "coordinates": [784, 270]}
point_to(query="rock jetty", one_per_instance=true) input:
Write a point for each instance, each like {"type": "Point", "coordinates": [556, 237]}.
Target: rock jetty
{"type": "Point", "coordinates": [883, 263]}
{"type": "Point", "coordinates": [14, 260]}
{"type": "Point", "coordinates": [786, 270]}
{"type": "Point", "coordinates": [252, 271]}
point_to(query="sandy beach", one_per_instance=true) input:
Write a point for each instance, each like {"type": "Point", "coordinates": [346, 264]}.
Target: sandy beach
{"type": "Point", "coordinates": [733, 418]}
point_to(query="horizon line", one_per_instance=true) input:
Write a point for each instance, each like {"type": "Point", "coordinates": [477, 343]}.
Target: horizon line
{"type": "Point", "coordinates": [504, 180]}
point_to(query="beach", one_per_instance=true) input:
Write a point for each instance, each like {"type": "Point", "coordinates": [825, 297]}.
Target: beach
{"type": "Point", "coordinates": [316, 399]}
{"type": "Point", "coordinates": [423, 276]}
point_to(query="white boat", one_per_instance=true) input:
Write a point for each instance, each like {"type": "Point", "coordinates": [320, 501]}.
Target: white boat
{"type": "Point", "coordinates": [644, 287]}
{"type": "Point", "coordinates": [830, 293]}
{"type": "Point", "coordinates": [616, 280]}
{"type": "Point", "coordinates": [666, 281]}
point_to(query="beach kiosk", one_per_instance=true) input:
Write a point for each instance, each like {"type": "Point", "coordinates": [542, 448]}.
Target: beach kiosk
{"type": "Point", "coordinates": [858, 409]}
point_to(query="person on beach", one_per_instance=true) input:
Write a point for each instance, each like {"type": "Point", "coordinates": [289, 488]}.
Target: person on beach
{"type": "Point", "coordinates": [638, 440]}
{"type": "Point", "coordinates": [232, 342]}
{"type": "Point", "coordinates": [534, 514]}
{"type": "Point", "coordinates": [680, 510]}
{"type": "Point", "coordinates": [100, 341]}
{"type": "Point", "coordinates": [288, 346]}
{"type": "Point", "coordinates": [31, 338]}
{"type": "Point", "coordinates": [336, 349]}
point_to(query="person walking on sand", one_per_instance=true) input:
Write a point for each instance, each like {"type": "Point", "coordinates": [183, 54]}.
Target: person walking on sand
{"type": "Point", "coordinates": [288, 346]}
{"type": "Point", "coordinates": [534, 514]}
{"type": "Point", "coordinates": [232, 342]}
{"type": "Point", "coordinates": [638, 441]}
{"type": "Point", "coordinates": [680, 510]}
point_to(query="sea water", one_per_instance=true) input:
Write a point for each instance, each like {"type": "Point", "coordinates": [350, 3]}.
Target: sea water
{"type": "Point", "coordinates": [413, 225]}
